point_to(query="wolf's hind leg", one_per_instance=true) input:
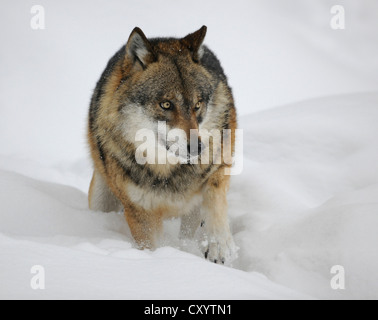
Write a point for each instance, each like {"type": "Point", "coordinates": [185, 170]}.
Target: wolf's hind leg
{"type": "Point", "coordinates": [101, 198]}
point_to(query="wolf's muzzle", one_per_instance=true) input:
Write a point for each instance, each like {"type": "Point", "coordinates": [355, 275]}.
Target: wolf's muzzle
{"type": "Point", "coordinates": [195, 148]}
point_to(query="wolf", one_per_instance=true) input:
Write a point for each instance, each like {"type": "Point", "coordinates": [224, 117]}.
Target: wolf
{"type": "Point", "coordinates": [181, 82]}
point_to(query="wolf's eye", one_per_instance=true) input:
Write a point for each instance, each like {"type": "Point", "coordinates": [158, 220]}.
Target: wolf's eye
{"type": "Point", "coordinates": [199, 105]}
{"type": "Point", "coordinates": [166, 105]}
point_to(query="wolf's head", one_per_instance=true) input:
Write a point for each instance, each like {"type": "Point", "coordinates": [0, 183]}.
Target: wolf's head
{"type": "Point", "coordinates": [168, 80]}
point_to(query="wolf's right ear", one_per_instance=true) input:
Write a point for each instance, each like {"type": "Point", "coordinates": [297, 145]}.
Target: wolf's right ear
{"type": "Point", "coordinates": [139, 49]}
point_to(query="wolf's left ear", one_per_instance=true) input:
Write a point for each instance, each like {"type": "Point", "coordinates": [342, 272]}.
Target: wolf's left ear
{"type": "Point", "coordinates": [139, 49]}
{"type": "Point", "coordinates": [194, 41]}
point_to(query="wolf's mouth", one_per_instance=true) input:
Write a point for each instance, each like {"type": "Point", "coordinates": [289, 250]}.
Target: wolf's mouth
{"type": "Point", "coordinates": [183, 154]}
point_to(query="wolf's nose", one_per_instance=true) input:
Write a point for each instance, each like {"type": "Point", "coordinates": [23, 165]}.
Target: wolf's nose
{"type": "Point", "coordinates": [195, 148]}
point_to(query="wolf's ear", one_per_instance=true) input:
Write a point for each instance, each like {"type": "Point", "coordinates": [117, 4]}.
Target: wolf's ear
{"type": "Point", "coordinates": [139, 49]}
{"type": "Point", "coordinates": [194, 41]}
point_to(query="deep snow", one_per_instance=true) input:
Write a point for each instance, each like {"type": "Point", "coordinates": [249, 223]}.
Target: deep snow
{"type": "Point", "coordinates": [90, 255]}
{"type": "Point", "coordinates": [306, 201]}
{"type": "Point", "coordinates": [309, 194]}
{"type": "Point", "coordinates": [307, 198]}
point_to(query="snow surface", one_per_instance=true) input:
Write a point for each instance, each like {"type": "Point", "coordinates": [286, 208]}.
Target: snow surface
{"type": "Point", "coordinates": [308, 196]}
{"type": "Point", "coordinates": [306, 201]}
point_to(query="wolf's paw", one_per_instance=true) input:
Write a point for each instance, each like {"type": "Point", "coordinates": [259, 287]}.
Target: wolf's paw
{"type": "Point", "coordinates": [220, 250]}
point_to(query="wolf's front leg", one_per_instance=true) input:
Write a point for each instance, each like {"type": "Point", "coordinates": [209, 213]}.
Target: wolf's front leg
{"type": "Point", "coordinates": [219, 245]}
{"type": "Point", "coordinates": [146, 227]}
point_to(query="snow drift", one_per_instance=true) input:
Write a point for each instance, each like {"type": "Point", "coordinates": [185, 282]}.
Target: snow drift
{"type": "Point", "coordinates": [306, 201]}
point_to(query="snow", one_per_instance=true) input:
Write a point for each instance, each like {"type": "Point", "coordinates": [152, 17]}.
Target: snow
{"type": "Point", "coordinates": [305, 202]}
{"type": "Point", "coordinates": [92, 255]}
{"type": "Point", "coordinates": [312, 202]}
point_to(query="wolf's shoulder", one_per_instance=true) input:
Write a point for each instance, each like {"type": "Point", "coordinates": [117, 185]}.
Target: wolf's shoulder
{"type": "Point", "coordinates": [210, 61]}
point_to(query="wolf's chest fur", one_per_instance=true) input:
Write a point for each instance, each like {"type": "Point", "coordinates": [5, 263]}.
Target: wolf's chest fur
{"type": "Point", "coordinates": [178, 189]}
{"type": "Point", "coordinates": [170, 204]}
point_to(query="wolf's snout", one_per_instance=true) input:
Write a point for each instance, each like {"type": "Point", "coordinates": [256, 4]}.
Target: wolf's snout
{"type": "Point", "coordinates": [195, 148]}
